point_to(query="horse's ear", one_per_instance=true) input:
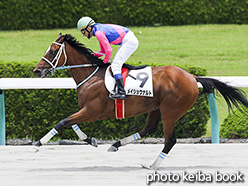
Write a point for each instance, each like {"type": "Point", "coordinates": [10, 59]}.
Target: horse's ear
{"type": "Point", "coordinates": [59, 36]}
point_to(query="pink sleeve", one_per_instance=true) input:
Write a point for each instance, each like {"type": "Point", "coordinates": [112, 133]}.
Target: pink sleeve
{"type": "Point", "coordinates": [101, 51]}
{"type": "Point", "coordinates": [104, 44]}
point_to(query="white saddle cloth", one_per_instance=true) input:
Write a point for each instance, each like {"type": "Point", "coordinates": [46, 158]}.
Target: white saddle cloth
{"type": "Point", "coordinates": [138, 82]}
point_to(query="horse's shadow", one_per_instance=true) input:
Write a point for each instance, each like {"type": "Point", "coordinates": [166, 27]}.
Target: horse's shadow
{"type": "Point", "coordinates": [126, 169]}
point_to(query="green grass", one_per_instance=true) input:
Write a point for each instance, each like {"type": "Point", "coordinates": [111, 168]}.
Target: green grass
{"type": "Point", "coordinates": [221, 49]}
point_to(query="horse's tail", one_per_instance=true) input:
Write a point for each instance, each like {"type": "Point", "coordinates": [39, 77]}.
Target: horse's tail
{"type": "Point", "coordinates": [233, 96]}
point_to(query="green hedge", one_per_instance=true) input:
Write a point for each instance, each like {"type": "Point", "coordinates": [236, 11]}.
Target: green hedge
{"type": "Point", "coordinates": [40, 14]}
{"type": "Point", "coordinates": [235, 126]}
{"type": "Point", "coordinates": [31, 113]}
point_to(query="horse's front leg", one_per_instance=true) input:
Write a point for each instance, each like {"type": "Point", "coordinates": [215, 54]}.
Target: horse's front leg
{"type": "Point", "coordinates": [70, 121]}
{"type": "Point", "coordinates": [83, 136]}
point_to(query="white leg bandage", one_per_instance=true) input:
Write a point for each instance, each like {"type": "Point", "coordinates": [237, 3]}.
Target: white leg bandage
{"type": "Point", "coordinates": [158, 161]}
{"type": "Point", "coordinates": [130, 139]}
{"type": "Point", "coordinates": [80, 134]}
{"type": "Point", "coordinates": [48, 136]}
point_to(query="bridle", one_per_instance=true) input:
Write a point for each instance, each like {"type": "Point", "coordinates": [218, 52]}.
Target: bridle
{"type": "Point", "coordinates": [55, 61]}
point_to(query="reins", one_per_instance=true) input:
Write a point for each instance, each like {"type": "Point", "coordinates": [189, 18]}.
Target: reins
{"type": "Point", "coordinates": [56, 60]}
{"type": "Point", "coordinates": [74, 66]}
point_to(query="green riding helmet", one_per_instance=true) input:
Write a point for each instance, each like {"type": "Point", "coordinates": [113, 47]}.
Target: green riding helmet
{"type": "Point", "coordinates": [84, 22]}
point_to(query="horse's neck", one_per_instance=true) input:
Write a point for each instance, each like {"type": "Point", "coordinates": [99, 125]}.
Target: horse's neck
{"type": "Point", "coordinates": [80, 73]}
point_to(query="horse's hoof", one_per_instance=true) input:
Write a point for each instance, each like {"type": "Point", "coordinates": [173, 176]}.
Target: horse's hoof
{"type": "Point", "coordinates": [34, 149]}
{"type": "Point", "coordinates": [146, 166]}
{"type": "Point", "coordinates": [94, 142]}
{"type": "Point", "coordinates": [149, 167]}
{"type": "Point", "coordinates": [112, 149]}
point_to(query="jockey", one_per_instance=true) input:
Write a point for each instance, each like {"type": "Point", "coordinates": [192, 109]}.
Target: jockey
{"type": "Point", "coordinates": [108, 34]}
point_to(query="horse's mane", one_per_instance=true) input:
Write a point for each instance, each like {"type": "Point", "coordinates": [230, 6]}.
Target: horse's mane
{"type": "Point", "coordinates": [72, 41]}
{"type": "Point", "coordinates": [83, 49]}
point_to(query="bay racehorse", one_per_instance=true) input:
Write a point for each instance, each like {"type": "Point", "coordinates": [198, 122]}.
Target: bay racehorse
{"type": "Point", "coordinates": [175, 91]}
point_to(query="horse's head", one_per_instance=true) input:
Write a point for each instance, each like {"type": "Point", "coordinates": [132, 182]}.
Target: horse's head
{"type": "Point", "coordinates": [55, 56]}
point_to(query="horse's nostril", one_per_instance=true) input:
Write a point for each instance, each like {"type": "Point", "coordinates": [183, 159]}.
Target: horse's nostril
{"type": "Point", "coordinates": [37, 72]}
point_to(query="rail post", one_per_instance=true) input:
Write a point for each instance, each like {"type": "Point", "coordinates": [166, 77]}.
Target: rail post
{"type": "Point", "coordinates": [215, 134]}
{"type": "Point", "coordinates": [2, 118]}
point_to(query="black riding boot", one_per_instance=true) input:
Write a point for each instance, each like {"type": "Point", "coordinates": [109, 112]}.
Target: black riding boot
{"type": "Point", "coordinates": [121, 94]}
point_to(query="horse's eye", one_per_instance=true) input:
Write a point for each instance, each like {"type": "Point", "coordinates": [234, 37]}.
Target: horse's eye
{"type": "Point", "coordinates": [52, 53]}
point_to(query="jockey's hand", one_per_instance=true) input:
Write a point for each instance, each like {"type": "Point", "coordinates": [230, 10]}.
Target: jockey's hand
{"type": "Point", "coordinates": [97, 54]}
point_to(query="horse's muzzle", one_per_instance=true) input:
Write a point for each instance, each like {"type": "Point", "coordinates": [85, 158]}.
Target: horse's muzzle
{"type": "Point", "coordinates": [41, 73]}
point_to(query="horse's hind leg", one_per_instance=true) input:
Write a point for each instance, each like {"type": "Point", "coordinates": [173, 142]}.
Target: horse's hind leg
{"type": "Point", "coordinates": [150, 127]}
{"type": "Point", "coordinates": [170, 113]}
{"type": "Point", "coordinates": [170, 141]}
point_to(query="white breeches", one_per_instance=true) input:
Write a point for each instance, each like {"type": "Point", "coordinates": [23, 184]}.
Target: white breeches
{"type": "Point", "coordinates": [129, 44]}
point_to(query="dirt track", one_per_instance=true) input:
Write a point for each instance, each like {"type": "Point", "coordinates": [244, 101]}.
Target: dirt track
{"type": "Point", "coordinates": [85, 165]}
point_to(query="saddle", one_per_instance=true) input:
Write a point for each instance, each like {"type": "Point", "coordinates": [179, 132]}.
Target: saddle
{"type": "Point", "coordinates": [131, 67]}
